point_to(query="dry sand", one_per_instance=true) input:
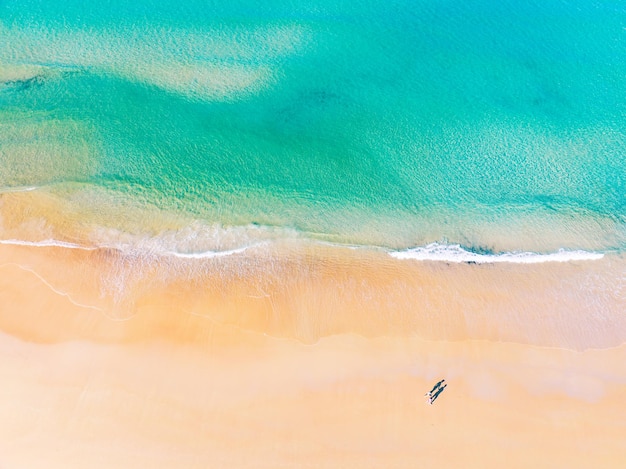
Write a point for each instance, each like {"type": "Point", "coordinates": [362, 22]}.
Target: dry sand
{"type": "Point", "coordinates": [310, 357]}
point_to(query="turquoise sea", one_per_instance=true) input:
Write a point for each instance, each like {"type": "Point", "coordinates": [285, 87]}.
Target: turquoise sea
{"type": "Point", "coordinates": [209, 126]}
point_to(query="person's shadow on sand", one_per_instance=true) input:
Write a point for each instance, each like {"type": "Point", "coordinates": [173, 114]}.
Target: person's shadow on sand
{"type": "Point", "coordinates": [435, 391]}
{"type": "Point", "coordinates": [436, 395]}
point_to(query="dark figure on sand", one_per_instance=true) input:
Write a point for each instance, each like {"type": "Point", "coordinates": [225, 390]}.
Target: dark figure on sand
{"type": "Point", "coordinates": [436, 395]}
{"type": "Point", "coordinates": [435, 387]}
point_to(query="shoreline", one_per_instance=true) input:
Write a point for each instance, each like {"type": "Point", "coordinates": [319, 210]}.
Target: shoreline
{"type": "Point", "coordinates": [308, 292]}
{"type": "Point", "coordinates": [316, 358]}
{"type": "Point", "coordinates": [65, 214]}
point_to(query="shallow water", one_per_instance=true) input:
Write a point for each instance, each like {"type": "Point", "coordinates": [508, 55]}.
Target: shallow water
{"type": "Point", "coordinates": [496, 127]}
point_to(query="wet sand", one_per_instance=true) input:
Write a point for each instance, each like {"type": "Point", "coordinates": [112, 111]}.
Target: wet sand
{"type": "Point", "coordinates": [308, 357]}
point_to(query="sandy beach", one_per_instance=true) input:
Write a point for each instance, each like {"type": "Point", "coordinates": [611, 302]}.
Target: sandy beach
{"type": "Point", "coordinates": [318, 358]}
{"type": "Point", "coordinates": [254, 235]}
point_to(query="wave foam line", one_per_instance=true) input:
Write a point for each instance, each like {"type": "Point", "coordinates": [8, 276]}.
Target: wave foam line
{"type": "Point", "coordinates": [46, 243]}
{"type": "Point", "coordinates": [455, 253]}
{"type": "Point", "coordinates": [207, 254]}
{"type": "Point", "coordinates": [8, 190]}
{"type": "Point", "coordinates": [62, 244]}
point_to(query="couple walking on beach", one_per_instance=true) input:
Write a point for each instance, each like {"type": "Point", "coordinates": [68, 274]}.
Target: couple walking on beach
{"type": "Point", "coordinates": [435, 391]}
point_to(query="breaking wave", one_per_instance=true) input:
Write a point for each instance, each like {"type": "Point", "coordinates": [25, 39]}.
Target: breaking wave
{"type": "Point", "coordinates": [457, 254]}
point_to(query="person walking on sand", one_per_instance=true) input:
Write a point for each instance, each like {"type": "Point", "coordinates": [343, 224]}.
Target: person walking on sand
{"type": "Point", "coordinates": [435, 387]}
{"type": "Point", "coordinates": [436, 395]}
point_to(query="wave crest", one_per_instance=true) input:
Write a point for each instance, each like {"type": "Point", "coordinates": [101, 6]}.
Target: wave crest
{"type": "Point", "coordinates": [457, 254]}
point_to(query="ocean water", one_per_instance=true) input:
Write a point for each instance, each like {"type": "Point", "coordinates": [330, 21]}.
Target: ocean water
{"type": "Point", "coordinates": [478, 131]}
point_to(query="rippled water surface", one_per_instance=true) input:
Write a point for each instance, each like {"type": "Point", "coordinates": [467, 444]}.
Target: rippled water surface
{"type": "Point", "coordinates": [211, 126]}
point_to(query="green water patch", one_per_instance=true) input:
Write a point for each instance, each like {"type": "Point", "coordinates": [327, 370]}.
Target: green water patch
{"type": "Point", "coordinates": [329, 117]}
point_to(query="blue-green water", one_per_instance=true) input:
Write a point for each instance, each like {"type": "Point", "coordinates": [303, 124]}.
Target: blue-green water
{"type": "Point", "coordinates": [395, 124]}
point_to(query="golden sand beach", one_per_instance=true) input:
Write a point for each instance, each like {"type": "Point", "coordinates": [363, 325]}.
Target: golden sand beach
{"type": "Point", "coordinates": [312, 357]}
{"type": "Point", "coordinates": [254, 235]}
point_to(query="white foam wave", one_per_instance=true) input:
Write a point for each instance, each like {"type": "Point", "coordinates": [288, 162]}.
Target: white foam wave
{"type": "Point", "coordinates": [195, 240]}
{"type": "Point", "coordinates": [7, 190]}
{"type": "Point", "coordinates": [129, 249]}
{"type": "Point", "coordinates": [46, 243]}
{"type": "Point", "coordinates": [154, 247]}
{"type": "Point", "coordinates": [207, 254]}
{"type": "Point", "coordinates": [455, 253]}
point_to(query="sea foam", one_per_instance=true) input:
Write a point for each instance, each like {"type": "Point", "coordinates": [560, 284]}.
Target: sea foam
{"type": "Point", "coordinates": [46, 243]}
{"type": "Point", "coordinates": [208, 254]}
{"type": "Point", "coordinates": [132, 250]}
{"type": "Point", "coordinates": [160, 247]}
{"type": "Point", "coordinates": [456, 253]}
